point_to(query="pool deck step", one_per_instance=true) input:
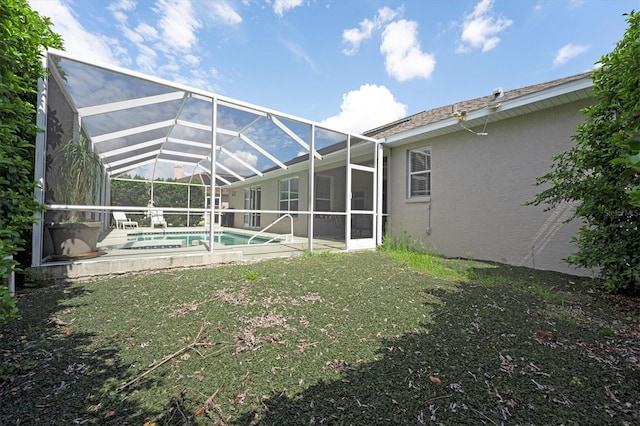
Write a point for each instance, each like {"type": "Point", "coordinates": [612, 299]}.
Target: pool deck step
{"type": "Point", "coordinates": [153, 244]}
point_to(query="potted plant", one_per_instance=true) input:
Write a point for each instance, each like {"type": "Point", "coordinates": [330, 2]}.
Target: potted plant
{"type": "Point", "coordinates": [78, 172]}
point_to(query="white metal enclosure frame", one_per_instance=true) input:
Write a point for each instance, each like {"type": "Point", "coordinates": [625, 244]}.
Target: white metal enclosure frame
{"type": "Point", "coordinates": [139, 124]}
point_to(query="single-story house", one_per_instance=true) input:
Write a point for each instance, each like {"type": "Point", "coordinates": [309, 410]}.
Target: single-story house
{"type": "Point", "coordinates": [454, 180]}
{"type": "Point", "coordinates": [457, 179]}
{"type": "Point", "coordinates": [460, 176]}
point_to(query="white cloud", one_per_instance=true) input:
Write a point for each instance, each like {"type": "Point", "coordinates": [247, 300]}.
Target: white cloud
{"type": "Point", "coordinates": [191, 60]}
{"type": "Point", "coordinates": [366, 108]}
{"type": "Point", "coordinates": [120, 16]}
{"type": "Point", "coordinates": [355, 36]}
{"type": "Point", "coordinates": [77, 40]}
{"type": "Point", "coordinates": [226, 13]}
{"type": "Point", "coordinates": [125, 5]}
{"type": "Point", "coordinates": [120, 8]}
{"type": "Point", "coordinates": [281, 6]}
{"type": "Point", "coordinates": [132, 36]}
{"type": "Point", "coordinates": [480, 28]}
{"type": "Point", "coordinates": [146, 59]}
{"type": "Point", "coordinates": [147, 31]}
{"type": "Point", "coordinates": [404, 58]}
{"type": "Point", "coordinates": [300, 53]}
{"type": "Point", "coordinates": [569, 51]}
{"type": "Point", "coordinates": [178, 24]}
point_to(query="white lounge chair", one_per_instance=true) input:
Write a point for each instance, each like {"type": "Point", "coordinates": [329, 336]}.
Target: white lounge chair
{"type": "Point", "coordinates": [122, 221]}
{"type": "Point", "coordinates": [157, 219]}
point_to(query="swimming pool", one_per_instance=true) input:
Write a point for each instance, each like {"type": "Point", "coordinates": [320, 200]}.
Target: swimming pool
{"type": "Point", "coordinates": [226, 238]}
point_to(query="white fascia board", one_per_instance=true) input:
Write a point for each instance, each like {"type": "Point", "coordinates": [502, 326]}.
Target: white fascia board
{"type": "Point", "coordinates": [132, 131]}
{"type": "Point", "coordinates": [552, 92]}
{"type": "Point", "coordinates": [132, 103]}
{"type": "Point", "coordinates": [518, 102]}
{"type": "Point", "coordinates": [449, 122]}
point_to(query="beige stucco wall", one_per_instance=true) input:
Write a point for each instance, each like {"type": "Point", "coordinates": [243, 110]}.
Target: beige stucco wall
{"type": "Point", "coordinates": [480, 185]}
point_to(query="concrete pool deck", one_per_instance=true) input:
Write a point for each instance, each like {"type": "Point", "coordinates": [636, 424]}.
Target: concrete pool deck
{"type": "Point", "coordinates": [117, 256]}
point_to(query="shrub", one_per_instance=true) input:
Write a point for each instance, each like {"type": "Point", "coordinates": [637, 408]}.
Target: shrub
{"type": "Point", "coordinates": [588, 174]}
{"type": "Point", "coordinates": [23, 35]}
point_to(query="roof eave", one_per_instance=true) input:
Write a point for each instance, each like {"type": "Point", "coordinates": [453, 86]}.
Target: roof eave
{"type": "Point", "coordinates": [478, 116]}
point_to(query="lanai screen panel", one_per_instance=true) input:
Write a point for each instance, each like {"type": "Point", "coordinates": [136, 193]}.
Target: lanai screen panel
{"type": "Point", "coordinates": [142, 126]}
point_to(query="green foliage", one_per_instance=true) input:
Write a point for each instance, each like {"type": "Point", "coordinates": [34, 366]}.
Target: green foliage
{"type": "Point", "coordinates": [79, 174]}
{"type": "Point", "coordinates": [632, 161]}
{"type": "Point", "coordinates": [549, 294]}
{"type": "Point", "coordinates": [23, 35]}
{"type": "Point", "coordinates": [8, 306]}
{"type": "Point", "coordinates": [588, 175]}
{"type": "Point", "coordinates": [409, 253]}
{"type": "Point", "coordinates": [401, 243]}
{"type": "Point", "coordinates": [167, 195]}
{"type": "Point", "coordinates": [137, 194]}
{"type": "Point", "coordinates": [129, 193]}
{"type": "Point", "coordinates": [252, 275]}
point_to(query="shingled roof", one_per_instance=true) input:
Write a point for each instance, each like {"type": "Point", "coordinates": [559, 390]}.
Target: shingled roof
{"type": "Point", "coordinates": [445, 112]}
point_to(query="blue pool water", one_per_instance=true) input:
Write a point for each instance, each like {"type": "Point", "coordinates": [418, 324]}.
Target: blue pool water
{"type": "Point", "coordinates": [225, 238]}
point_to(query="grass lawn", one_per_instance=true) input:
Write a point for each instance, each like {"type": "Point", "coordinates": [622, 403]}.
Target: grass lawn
{"type": "Point", "coordinates": [360, 338]}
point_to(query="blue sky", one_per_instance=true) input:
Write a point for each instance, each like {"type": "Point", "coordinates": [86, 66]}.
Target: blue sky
{"type": "Point", "coordinates": [349, 64]}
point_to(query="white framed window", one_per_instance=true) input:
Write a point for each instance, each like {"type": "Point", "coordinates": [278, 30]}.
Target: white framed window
{"type": "Point", "coordinates": [419, 173]}
{"type": "Point", "coordinates": [288, 198]}
{"type": "Point", "coordinates": [324, 190]}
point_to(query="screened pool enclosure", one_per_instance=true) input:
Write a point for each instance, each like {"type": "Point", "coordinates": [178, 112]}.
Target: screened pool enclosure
{"type": "Point", "coordinates": [161, 162]}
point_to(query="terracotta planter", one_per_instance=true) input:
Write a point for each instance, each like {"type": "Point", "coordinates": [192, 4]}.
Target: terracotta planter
{"type": "Point", "coordinates": [75, 240]}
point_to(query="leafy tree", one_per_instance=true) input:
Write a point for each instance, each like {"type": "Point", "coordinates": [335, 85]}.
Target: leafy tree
{"type": "Point", "coordinates": [632, 161]}
{"type": "Point", "coordinates": [167, 195]}
{"type": "Point", "coordinates": [130, 193]}
{"type": "Point", "coordinates": [609, 238]}
{"type": "Point", "coordinates": [23, 36]}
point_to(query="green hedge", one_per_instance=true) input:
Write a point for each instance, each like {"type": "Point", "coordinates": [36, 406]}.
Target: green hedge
{"type": "Point", "coordinates": [23, 36]}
